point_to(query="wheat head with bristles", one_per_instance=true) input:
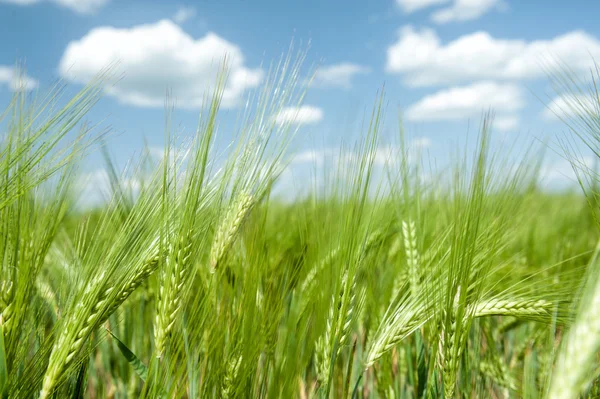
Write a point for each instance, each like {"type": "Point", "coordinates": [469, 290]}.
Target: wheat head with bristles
{"type": "Point", "coordinates": [516, 307]}
{"type": "Point", "coordinates": [406, 318]}
{"type": "Point", "coordinates": [580, 347]}
{"type": "Point", "coordinates": [228, 229]}
{"type": "Point", "coordinates": [171, 291]}
{"type": "Point", "coordinates": [409, 233]}
{"type": "Point", "coordinates": [84, 318]}
{"type": "Point", "coordinates": [99, 299]}
{"type": "Point", "coordinates": [453, 342]}
{"type": "Point", "coordinates": [6, 303]}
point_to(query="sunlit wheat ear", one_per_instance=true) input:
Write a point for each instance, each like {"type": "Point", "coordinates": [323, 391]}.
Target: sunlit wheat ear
{"type": "Point", "coordinates": [46, 292]}
{"type": "Point", "coordinates": [311, 278]}
{"type": "Point", "coordinates": [322, 349]}
{"type": "Point", "coordinates": [453, 341]}
{"type": "Point", "coordinates": [400, 321]}
{"type": "Point", "coordinates": [86, 316]}
{"type": "Point", "coordinates": [516, 308]}
{"type": "Point", "coordinates": [577, 357]}
{"type": "Point", "coordinates": [229, 227]}
{"type": "Point", "coordinates": [232, 371]}
{"type": "Point", "coordinates": [336, 334]}
{"type": "Point", "coordinates": [409, 232]}
{"type": "Point", "coordinates": [395, 247]}
{"type": "Point", "coordinates": [134, 282]}
{"type": "Point", "coordinates": [170, 292]}
{"type": "Point", "coordinates": [498, 371]}
{"type": "Point", "coordinates": [6, 304]}
{"type": "Point", "coordinates": [354, 308]}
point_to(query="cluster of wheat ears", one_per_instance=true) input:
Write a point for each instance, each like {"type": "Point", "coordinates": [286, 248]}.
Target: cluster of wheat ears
{"type": "Point", "coordinates": [201, 282]}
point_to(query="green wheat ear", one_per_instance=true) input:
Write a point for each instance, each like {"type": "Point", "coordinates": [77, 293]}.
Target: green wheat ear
{"type": "Point", "coordinates": [409, 232]}
{"type": "Point", "coordinates": [229, 227]}
{"type": "Point", "coordinates": [578, 354]}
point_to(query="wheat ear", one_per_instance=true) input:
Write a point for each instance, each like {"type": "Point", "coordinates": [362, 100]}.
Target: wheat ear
{"type": "Point", "coordinates": [6, 303]}
{"type": "Point", "coordinates": [395, 328]}
{"type": "Point", "coordinates": [409, 232]}
{"type": "Point", "coordinates": [170, 293]}
{"type": "Point", "coordinates": [453, 341]}
{"type": "Point", "coordinates": [228, 229]}
{"type": "Point", "coordinates": [515, 307]}
{"type": "Point", "coordinates": [582, 343]}
{"type": "Point", "coordinates": [233, 368]}
{"type": "Point", "coordinates": [92, 310]}
{"type": "Point", "coordinates": [85, 317]}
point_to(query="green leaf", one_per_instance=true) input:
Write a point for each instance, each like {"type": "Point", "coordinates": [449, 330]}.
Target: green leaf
{"type": "Point", "coordinates": [140, 368]}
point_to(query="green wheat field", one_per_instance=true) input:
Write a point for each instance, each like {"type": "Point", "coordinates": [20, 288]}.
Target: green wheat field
{"type": "Point", "coordinates": [200, 282]}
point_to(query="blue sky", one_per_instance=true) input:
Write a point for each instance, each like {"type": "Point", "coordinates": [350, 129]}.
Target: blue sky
{"type": "Point", "coordinates": [443, 62]}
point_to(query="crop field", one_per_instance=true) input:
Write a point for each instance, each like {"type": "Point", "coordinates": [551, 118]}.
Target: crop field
{"type": "Point", "coordinates": [200, 282]}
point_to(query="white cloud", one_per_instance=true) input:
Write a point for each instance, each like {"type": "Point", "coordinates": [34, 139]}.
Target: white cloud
{"type": "Point", "coordinates": [383, 155]}
{"type": "Point", "coordinates": [303, 115]}
{"type": "Point", "coordinates": [458, 11]}
{"type": "Point", "coordinates": [156, 57]}
{"type": "Point", "coordinates": [409, 6]}
{"type": "Point", "coordinates": [184, 14]}
{"type": "Point", "coordinates": [470, 101]}
{"type": "Point", "coordinates": [560, 174]}
{"type": "Point", "coordinates": [20, 2]}
{"type": "Point", "coordinates": [506, 122]}
{"type": "Point", "coordinates": [568, 105]}
{"type": "Point", "coordinates": [95, 188]}
{"type": "Point", "coordinates": [465, 10]}
{"type": "Point", "coordinates": [339, 75]}
{"type": "Point", "coordinates": [423, 60]}
{"type": "Point", "coordinates": [420, 143]}
{"type": "Point", "coordinates": [16, 81]}
{"type": "Point", "coordinates": [79, 6]}
{"type": "Point", "coordinates": [308, 156]}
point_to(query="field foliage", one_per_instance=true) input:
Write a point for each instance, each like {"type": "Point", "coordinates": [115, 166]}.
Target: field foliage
{"type": "Point", "coordinates": [198, 281]}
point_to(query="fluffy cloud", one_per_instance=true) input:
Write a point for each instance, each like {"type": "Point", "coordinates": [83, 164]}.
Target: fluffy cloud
{"type": "Point", "coordinates": [414, 5]}
{"type": "Point", "coordinates": [184, 14]}
{"type": "Point", "coordinates": [156, 57]}
{"type": "Point", "coordinates": [303, 115]}
{"type": "Point", "coordinates": [423, 60]}
{"type": "Point", "coordinates": [458, 11]}
{"type": "Point", "coordinates": [79, 6]}
{"type": "Point", "coordinates": [560, 174]}
{"type": "Point", "coordinates": [420, 143]}
{"type": "Point", "coordinates": [465, 10]}
{"type": "Point", "coordinates": [460, 102]}
{"type": "Point", "coordinates": [568, 105]}
{"type": "Point", "coordinates": [506, 122]}
{"type": "Point", "coordinates": [339, 75]}
{"type": "Point", "coordinates": [383, 155]}
{"type": "Point", "coordinates": [16, 81]}
{"type": "Point", "coordinates": [95, 188]}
